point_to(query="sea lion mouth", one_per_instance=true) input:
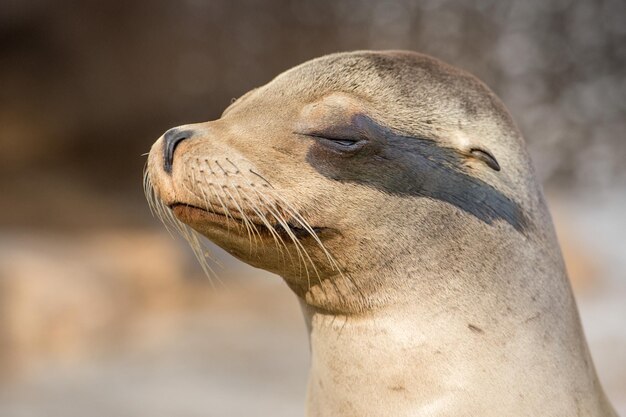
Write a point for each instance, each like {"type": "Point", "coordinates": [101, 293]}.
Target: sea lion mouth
{"type": "Point", "coordinates": [191, 214]}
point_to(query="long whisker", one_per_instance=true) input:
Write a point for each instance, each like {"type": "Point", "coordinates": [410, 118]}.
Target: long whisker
{"type": "Point", "coordinates": [268, 225]}
{"type": "Point", "coordinates": [165, 215]}
{"type": "Point", "coordinates": [244, 217]}
{"type": "Point", "coordinates": [159, 209]}
{"type": "Point", "coordinates": [253, 232]}
{"type": "Point", "coordinates": [244, 201]}
{"type": "Point", "coordinates": [302, 252]}
{"type": "Point", "coordinates": [278, 240]}
{"type": "Point", "coordinates": [204, 196]}
{"type": "Point", "coordinates": [276, 213]}
{"type": "Point", "coordinates": [225, 189]}
{"type": "Point", "coordinates": [202, 255]}
{"type": "Point", "coordinates": [296, 216]}
{"type": "Point", "coordinates": [293, 213]}
{"type": "Point", "coordinates": [253, 205]}
{"type": "Point", "coordinates": [229, 217]}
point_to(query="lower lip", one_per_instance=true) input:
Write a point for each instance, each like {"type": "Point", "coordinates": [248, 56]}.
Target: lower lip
{"type": "Point", "coordinates": [191, 214]}
{"type": "Point", "coordinates": [195, 215]}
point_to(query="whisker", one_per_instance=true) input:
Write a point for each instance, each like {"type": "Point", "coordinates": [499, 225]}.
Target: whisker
{"type": "Point", "coordinates": [302, 252]}
{"type": "Point", "coordinates": [229, 217]}
{"type": "Point", "coordinates": [255, 206]}
{"type": "Point", "coordinates": [262, 177]}
{"type": "Point", "coordinates": [243, 201]}
{"type": "Point", "coordinates": [278, 240]}
{"type": "Point", "coordinates": [305, 225]}
{"type": "Point", "coordinates": [237, 171]}
{"type": "Point", "coordinates": [201, 254]}
{"type": "Point", "coordinates": [205, 197]}
{"type": "Point", "coordinates": [165, 215]}
{"type": "Point", "coordinates": [244, 217]}
{"type": "Point", "coordinates": [296, 216]}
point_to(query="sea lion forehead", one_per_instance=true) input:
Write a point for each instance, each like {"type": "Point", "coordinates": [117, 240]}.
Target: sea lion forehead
{"type": "Point", "coordinates": [371, 71]}
{"type": "Point", "coordinates": [337, 107]}
{"type": "Point", "coordinates": [330, 108]}
{"type": "Point", "coordinates": [406, 89]}
{"type": "Point", "coordinates": [384, 63]}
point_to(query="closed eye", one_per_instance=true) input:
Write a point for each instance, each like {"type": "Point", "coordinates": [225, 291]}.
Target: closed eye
{"type": "Point", "coordinates": [341, 144]}
{"type": "Point", "coordinates": [340, 141]}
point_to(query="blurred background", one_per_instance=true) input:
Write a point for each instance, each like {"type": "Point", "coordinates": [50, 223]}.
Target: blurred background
{"type": "Point", "coordinates": [102, 313]}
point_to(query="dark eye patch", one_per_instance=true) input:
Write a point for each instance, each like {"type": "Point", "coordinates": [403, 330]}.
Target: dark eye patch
{"type": "Point", "coordinates": [412, 166]}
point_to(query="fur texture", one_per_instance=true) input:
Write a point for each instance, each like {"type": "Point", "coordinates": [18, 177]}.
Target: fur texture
{"type": "Point", "coordinates": [431, 282]}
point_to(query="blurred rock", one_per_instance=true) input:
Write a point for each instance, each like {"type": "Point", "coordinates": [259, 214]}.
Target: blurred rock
{"type": "Point", "coordinates": [63, 297]}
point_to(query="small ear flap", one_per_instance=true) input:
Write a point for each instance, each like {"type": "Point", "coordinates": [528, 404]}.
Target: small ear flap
{"type": "Point", "coordinates": [486, 157]}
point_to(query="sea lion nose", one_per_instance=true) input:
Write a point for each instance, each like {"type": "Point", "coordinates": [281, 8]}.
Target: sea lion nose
{"type": "Point", "coordinates": [171, 139]}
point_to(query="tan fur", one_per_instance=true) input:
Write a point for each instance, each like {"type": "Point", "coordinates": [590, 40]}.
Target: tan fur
{"type": "Point", "coordinates": [417, 304]}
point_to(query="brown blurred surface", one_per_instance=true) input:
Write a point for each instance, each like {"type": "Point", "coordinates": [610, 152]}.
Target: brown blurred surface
{"type": "Point", "coordinates": [124, 319]}
{"type": "Point", "coordinates": [102, 313]}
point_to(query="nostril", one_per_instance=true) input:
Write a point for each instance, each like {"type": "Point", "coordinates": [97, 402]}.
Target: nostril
{"type": "Point", "coordinates": [171, 139]}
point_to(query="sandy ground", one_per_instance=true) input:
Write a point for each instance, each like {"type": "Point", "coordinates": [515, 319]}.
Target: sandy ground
{"type": "Point", "coordinates": [245, 352]}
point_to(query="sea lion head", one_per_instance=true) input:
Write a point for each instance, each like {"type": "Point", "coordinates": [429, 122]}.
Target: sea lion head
{"type": "Point", "coordinates": [350, 166]}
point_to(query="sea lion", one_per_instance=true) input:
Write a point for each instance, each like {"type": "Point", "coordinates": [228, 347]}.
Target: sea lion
{"type": "Point", "coordinates": [395, 196]}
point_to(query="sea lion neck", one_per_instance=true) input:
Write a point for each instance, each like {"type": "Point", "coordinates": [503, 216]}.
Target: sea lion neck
{"type": "Point", "coordinates": [446, 330]}
{"type": "Point", "coordinates": [430, 356]}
